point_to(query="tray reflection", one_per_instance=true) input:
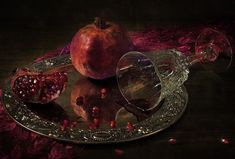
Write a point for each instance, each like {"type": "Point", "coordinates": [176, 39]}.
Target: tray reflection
{"type": "Point", "coordinates": [91, 104]}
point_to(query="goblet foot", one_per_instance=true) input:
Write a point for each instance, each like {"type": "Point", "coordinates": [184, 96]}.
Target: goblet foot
{"type": "Point", "coordinates": [215, 50]}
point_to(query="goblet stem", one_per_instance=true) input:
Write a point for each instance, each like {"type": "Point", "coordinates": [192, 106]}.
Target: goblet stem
{"type": "Point", "coordinates": [196, 58]}
{"type": "Point", "coordinates": [209, 53]}
{"type": "Point", "coordinates": [214, 50]}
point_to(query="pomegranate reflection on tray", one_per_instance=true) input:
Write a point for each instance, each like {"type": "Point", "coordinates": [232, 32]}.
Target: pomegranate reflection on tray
{"type": "Point", "coordinates": [94, 103]}
{"type": "Point", "coordinates": [100, 104]}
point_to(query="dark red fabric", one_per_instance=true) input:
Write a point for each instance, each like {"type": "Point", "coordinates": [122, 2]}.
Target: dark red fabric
{"type": "Point", "coordinates": [17, 142]}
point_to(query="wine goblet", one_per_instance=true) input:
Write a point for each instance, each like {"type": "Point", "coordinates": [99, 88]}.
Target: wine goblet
{"type": "Point", "coordinates": [144, 79]}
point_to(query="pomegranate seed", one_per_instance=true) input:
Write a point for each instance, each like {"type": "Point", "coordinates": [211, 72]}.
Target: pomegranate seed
{"type": "Point", "coordinates": [103, 90]}
{"type": "Point", "coordinates": [96, 122]}
{"type": "Point", "coordinates": [103, 93]}
{"type": "Point", "coordinates": [130, 126]}
{"type": "Point", "coordinates": [34, 81]}
{"type": "Point", "coordinates": [62, 128]}
{"type": "Point", "coordinates": [95, 111]}
{"type": "Point", "coordinates": [79, 100]}
{"type": "Point", "coordinates": [224, 141]}
{"type": "Point", "coordinates": [65, 122]}
{"type": "Point", "coordinates": [73, 124]}
{"type": "Point", "coordinates": [64, 125]}
{"type": "Point", "coordinates": [172, 141]}
{"type": "Point", "coordinates": [91, 126]}
{"type": "Point", "coordinates": [118, 151]}
{"type": "Point", "coordinates": [113, 124]}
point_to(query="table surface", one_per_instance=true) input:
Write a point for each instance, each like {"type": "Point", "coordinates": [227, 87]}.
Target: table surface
{"type": "Point", "coordinates": [209, 117]}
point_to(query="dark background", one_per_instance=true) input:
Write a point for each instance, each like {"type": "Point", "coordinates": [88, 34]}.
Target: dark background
{"type": "Point", "coordinates": [29, 28]}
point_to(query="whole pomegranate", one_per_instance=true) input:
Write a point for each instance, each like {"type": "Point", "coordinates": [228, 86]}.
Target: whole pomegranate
{"type": "Point", "coordinates": [38, 87]}
{"type": "Point", "coordinates": [96, 48]}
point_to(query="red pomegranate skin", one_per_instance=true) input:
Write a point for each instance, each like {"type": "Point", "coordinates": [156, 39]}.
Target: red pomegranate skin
{"type": "Point", "coordinates": [96, 49]}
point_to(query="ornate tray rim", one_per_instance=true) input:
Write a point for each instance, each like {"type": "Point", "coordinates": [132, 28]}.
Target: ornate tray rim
{"type": "Point", "coordinates": [170, 112]}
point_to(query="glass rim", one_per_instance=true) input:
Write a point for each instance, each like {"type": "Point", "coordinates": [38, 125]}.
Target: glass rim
{"type": "Point", "coordinates": [155, 69]}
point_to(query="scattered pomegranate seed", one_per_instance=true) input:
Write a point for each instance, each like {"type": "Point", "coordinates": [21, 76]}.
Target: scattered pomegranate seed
{"type": "Point", "coordinates": [103, 90]}
{"type": "Point", "coordinates": [91, 126]}
{"type": "Point", "coordinates": [113, 124]}
{"type": "Point", "coordinates": [79, 100]}
{"type": "Point", "coordinates": [64, 125]}
{"type": "Point", "coordinates": [172, 141]}
{"type": "Point", "coordinates": [118, 151]}
{"type": "Point", "coordinates": [130, 126]}
{"type": "Point", "coordinates": [73, 124]}
{"type": "Point", "coordinates": [103, 93]}
{"type": "Point", "coordinates": [66, 122]}
{"type": "Point", "coordinates": [95, 111]}
{"type": "Point", "coordinates": [96, 122]}
{"type": "Point", "coordinates": [62, 128]}
{"type": "Point", "coordinates": [224, 141]}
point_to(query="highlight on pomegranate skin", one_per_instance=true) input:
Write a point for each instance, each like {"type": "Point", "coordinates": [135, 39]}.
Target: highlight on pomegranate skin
{"type": "Point", "coordinates": [37, 87]}
{"type": "Point", "coordinates": [96, 48]}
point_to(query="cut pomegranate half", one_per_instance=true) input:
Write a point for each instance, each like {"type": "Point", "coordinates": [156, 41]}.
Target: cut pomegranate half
{"type": "Point", "coordinates": [38, 87]}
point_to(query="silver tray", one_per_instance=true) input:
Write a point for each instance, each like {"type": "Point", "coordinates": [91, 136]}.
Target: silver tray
{"type": "Point", "coordinates": [46, 119]}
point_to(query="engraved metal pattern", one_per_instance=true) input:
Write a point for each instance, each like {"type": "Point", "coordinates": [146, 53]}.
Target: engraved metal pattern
{"type": "Point", "coordinates": [172, 109]}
